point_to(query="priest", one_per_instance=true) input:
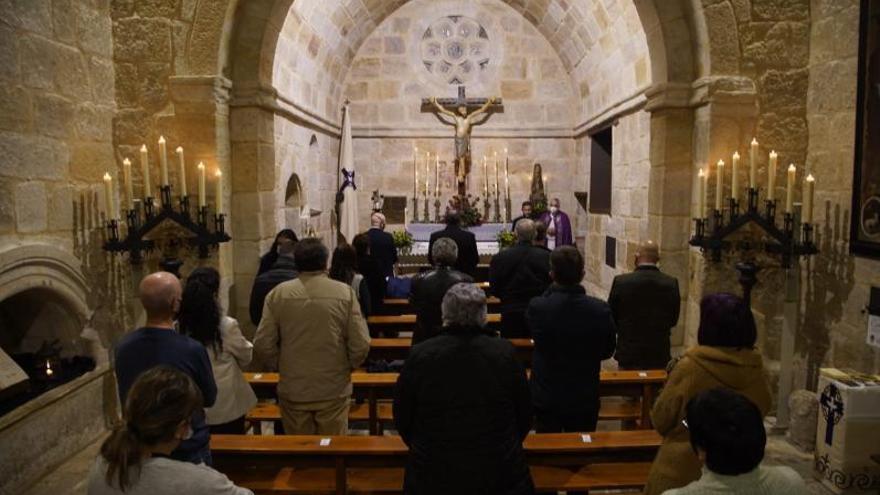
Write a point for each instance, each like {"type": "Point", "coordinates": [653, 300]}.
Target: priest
{"type": "Point", "coordinates": [558, 226]}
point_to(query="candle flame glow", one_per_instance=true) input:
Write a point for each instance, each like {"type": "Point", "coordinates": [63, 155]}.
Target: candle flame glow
{"type": "Point", "coordinates": [754, 141]}
{"type": "Point", "coordinates": [107, 177]}
{"type": "Point", "coordinates": [48, 369]}
{"type": "Point", "coordinates": [810, 178]}
{"type": "Point", "coordinates": [161, 139]}
{"type": "Point", "coordinates": [218, 174]}
{"type": "Point", "coordinates": [792, 168]}
{"type": "Point", "coordinates": [179, 149]}
{"type": "Point", "coordinates": [201, 166]}
{"type": "Point", "coordinates": [701, 173]}
{"type": "Point", "coordinates": [736, 155]}
{"type": "Point", "coordinates": [126, 162]}
{"type": "Point", "coordinates": [720, 163]}
{"type": "Point", "coordinates": [143, 148]}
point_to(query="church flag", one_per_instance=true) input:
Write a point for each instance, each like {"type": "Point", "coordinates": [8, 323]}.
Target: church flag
{"type": "Point", "coordinates": [348, 216]}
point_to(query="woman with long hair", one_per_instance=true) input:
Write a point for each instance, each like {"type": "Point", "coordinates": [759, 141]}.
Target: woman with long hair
{"type": "Point", "coordinates": [134, 458]}
{"type": "Point", "coordinates": [271, 256]}
{"type": "Point", "coordinates": [200, 317]}
{"type": "Point", "coordinates": [344, 268]}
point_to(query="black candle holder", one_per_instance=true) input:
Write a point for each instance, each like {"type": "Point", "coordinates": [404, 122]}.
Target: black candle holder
{"type": "Point", "coordinates": [733, 205]}
{"type": "Point", "coordinates": [487, 207]}
{"type": "Point", "coordinates": [497, 209]}
{"type": "Point", "coordinates": [165, 192]}
{"type": "Point", "coordinates": [752, 194]}
{"type": "Point", "coordinates": [437, 204]}
{"type": "Point", "coordinates": [427, 217]}
{"type": "Point", "coordinates": [507, 214]}
{"type": "Point", "coordinates": [416, 208]}
{"type": "Point", "coordinates": [149, 208]}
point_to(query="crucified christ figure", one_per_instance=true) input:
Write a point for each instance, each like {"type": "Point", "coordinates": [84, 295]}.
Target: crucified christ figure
{"type": "Point", "coordinates": [463, 122]}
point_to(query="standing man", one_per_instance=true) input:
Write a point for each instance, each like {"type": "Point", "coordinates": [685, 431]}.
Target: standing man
{"type": "Point", "coordinates": [282, 270]}
{"type": "Point", "coordinates": [158, 343]}
{"type": "Point", "coordinates": [558, 226]}
{"type": "Point", "coordinates": [526, 210]}
{"type": "Point", "coordinates": [382, 246]}
{"type": "Point", "coordinates": [516, 275]}
{"type": "Point", "coordinates": [645, 305]}
{"type": "Point", "coordinates": [313, 332]}
{"type": "Point", "coordinates": [573, 333]}
{"type": "Point", "coordinates": [468, 257]}
{"type": "Point", "coordinates": [428, 289]}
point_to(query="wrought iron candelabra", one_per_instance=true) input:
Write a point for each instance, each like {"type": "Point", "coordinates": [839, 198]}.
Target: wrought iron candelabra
{"type": "Point", "coordinates": [711, 236]}
{"type": "Point", "coordinates": [437, 204]}
{"type": "Point", "coordinates": [204, 232]}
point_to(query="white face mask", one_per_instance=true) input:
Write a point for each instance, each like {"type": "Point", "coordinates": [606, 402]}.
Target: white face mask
{"type": "Point", "coordinates": [554, 209]}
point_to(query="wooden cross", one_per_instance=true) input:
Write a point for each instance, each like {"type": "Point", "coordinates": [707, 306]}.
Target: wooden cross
{"type": "Point", "coordinates": [461, 100]}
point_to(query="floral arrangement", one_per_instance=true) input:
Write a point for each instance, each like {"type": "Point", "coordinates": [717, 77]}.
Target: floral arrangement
{"type": "Point", "coordinates": [470, 215]}
{"type": "Point", "coordinates": [403, 240]}
{"type": "Point", "coordinates": [505, 239]}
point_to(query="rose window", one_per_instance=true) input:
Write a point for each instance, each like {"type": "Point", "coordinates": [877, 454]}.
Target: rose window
{"type": "Point", "coordinates": [455, 48]}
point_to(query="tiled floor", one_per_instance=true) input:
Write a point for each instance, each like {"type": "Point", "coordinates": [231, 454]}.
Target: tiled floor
{"type": "Point", "coordinates": [70, 478]}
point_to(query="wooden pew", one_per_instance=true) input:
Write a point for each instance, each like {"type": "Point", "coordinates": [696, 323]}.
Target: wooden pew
{"type": "Point", "coordinates": [373, 386]}
{"type": "Point", "coordinates": [398, 348]}
{"type": "Point", "coordinates": [402, 306]}
{"type": "Point", "coordinates": [405, 323]}
{"type": "Point", "coordinates": [357, 464]}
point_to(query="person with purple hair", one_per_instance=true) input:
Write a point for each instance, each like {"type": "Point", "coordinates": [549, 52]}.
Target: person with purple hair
{"type": "Point", "coordinates": [724, 357]}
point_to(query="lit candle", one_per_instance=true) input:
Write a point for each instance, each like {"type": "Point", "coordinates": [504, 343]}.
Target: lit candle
{"type": "Point", "coordinates": [495, 161]}
{"type": "Point", "coordinates": [701, 193]}
{"type": "Point", "coordinates": [789, 189]}
{"type": "Point", "coordinates": [437, 175]}
{"type": "Point", "coordinates": [485, 177]}
{"type": "Point", "coordinates": [415, 172]}
{"type": "Point", "coordinates": [705, 199]}
{"type": "Point", "coordinates": [809, 184]}
{"type": "Point", "coordinates": [218, 195]}
{"type": "Point", "coordinates": [506, 178]}
{"type": "Point", "coordinates": [163, 160]}
{"type": "Point", "coordinates": [734, 179]}
{"type": "Point", "coordinates": [427, 172]}
{"type": "Point", "coordinates": [771, 176]}
{"type": "Point", "coordinates": [201, 168]}
{"type": "Point", "coordinates": [145, 168]}
{"type": "Point", "coordinates": [179, 151]}
{"type": "Point", "coordinates": [753, 164]}
{"type": "Point", "coordinates": [719, 184]}
{"type": "Point", "coordinates": [108, 196]}
{"type": "Point", "coordinates": [129, 188]}
{"type": "Point", "coordinates": [49, 371]}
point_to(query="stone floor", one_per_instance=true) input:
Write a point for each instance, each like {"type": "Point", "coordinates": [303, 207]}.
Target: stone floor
{"type": "Point", "coordinates": [70, 478]}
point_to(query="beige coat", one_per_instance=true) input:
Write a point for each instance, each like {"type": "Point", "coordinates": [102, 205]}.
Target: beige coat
{"type": "Point", "coordinates": [313, 332]}
{"type": "Point", "coordinates": [700, 369]}
{"type": "Point", "coordinates": [234, 396]}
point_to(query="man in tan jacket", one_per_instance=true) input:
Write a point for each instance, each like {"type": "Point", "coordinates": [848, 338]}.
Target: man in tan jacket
{"type": "Point", "coordinates": [314, 333]}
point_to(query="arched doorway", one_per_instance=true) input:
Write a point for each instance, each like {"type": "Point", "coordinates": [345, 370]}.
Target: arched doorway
{"type": "Point", "coordinates": [294, 201]}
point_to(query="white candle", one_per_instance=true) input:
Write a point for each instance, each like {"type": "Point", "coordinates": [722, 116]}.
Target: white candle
{"type": "Point", "coordinates": [701, 193]}
{"type": "Point", "coordinates": [734, 179]}
{"type": "Point", "coordinates": [108, 196]}
{"type": "Point", "coordinates": [415, 172]}
{"type": "Point", "coordinates": [506, 178]}
{"type": "Point", "coordinates": [809, 184]}
{"type": "Point", "coordinates": [218, 197]}
{"type": "Point", "coordinates": [789, 189]}
{"type": "Point", "coordinates": [163, 160]}
{"type": "Point", "coordinates": [495, 161]}
{"type": "Point", "coordinates": [485, 177]}
{"type": "Point", "coordinates": [145, 168]}
{"type": "Point", "coordinates": [437, 175]}
{"type": "Point", "coordinates": [129, 188]}
{"type": "Point", "coordinates": [180, 159]}
{"type": "Point", "coordinates": [771, 176]}
{"type": "Point", "coordinates": [719, 185]}
{"type": "Point", "coordinates": [427, 172]}
{"type": "Point", "coordinates": [201, 168]}
{"type": "Point", "coordinates": [753, 164]}
{"type": "Point", "coordinates": [705, 198]}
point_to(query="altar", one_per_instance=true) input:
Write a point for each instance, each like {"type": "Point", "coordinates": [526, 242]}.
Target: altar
{"type": "Point", "coordinates": [487, 235]}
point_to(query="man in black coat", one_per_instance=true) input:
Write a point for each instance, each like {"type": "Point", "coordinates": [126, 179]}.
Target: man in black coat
{"type": "Point", "coordinates": [282, 270]}
{"type": "Point", "coordinates": [468, 257]}
{"type": "Point", "coordinates": [526, 209]}
{"type": "Point", "coordinates": [382, 246]}
{"type": "Point", "coordinates": [428, 289]}
{"type": "Point", "coordinates": [645, 305]}
{"type": "Point", "coordinates": [573, 333]}
{"type": "Point", "coordinates": [462, 405]}
{"type": "Point", "coordinates": [516, 275]}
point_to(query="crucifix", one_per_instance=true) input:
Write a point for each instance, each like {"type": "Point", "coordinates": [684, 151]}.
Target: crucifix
{"type": "Point", "coordinates": [464, 113]}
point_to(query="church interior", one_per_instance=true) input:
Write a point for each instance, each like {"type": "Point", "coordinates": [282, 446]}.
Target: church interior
{"type": "Point", "coordinates": [734, 134]}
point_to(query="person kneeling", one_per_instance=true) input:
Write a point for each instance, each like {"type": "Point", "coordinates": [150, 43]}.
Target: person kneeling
{"type": "Point", "coordinates": [134, 458]}
{"type": "Point", "coordinates": [727, 434]}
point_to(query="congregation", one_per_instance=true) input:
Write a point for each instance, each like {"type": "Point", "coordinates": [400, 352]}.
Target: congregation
{"type": "Point", "coordinates": [463, 402]}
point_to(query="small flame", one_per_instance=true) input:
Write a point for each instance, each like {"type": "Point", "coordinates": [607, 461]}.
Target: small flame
{"type": "Point", "coordinates": [49, 371]}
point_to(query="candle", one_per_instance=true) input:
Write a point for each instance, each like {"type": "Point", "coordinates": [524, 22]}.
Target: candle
{"type": "Point", "coordinates": [771, 176]}
{"type": "Point", "coordinates": [415, 172]}
{"type": "Point", "coordinates": [437, 175]}
{"type": "Point", "coordinates": [201, 168]}
{"type": "Point", "coordinates": [789, 189]}
{"type": "Point", "coordinates": [753, 164]}
{"type": "Point", "coordinates": [506, 177]}
{"type": "Point", "coordinates": [108, 196]}
{"type": "Point", "coordinates": [485, 177]}
{"type": "Point", "coordinates": [495, 161]}
{"type": "Point", "coordinates": [163, 161]}
{"type": "Point", "coordinates": [129, 188]}
{"type": "Point", "coordinates": [145, 168]}
{"type": "Point", "coordinates": [734, 179]}
{"type": "Point", "coordinates": [427, 172]}
{"type": "Point", "coordinates": [719, 184]}
{"type": "Point", "coordinates": [809, 185]}
{"type": "Point", "coordinates": [701, 193]}
{"type": "Point", "coordinates": [49, 371]}
{"type": "Point", "coordinates": [179, 151]}
{"type": "Point", "coordinates": [218, 195]}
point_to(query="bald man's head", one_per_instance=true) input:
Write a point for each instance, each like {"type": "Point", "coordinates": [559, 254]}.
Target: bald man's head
{"type": "Point", "coordinates": [377, 221]}
{"type": "Point", "coordinates": [160, 295]}
{"type": "Point", "coordinates": [648, 252]}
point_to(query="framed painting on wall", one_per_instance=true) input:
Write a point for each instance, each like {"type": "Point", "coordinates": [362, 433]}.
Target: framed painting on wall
{"type": "Point", "coordinates": [865, 221]}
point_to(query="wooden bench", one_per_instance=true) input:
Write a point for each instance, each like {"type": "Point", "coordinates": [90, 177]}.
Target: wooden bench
{"type": "Point", "coordinates": [402, 306]}
{"type": "Point", "coordinates": [398, 348]}
{"type": "Point", "coordinates": [406, 323]}
{"type": "Point", "coordinates": [357, 464]}
{"type": "Point", "coordinates": [373, 386]}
